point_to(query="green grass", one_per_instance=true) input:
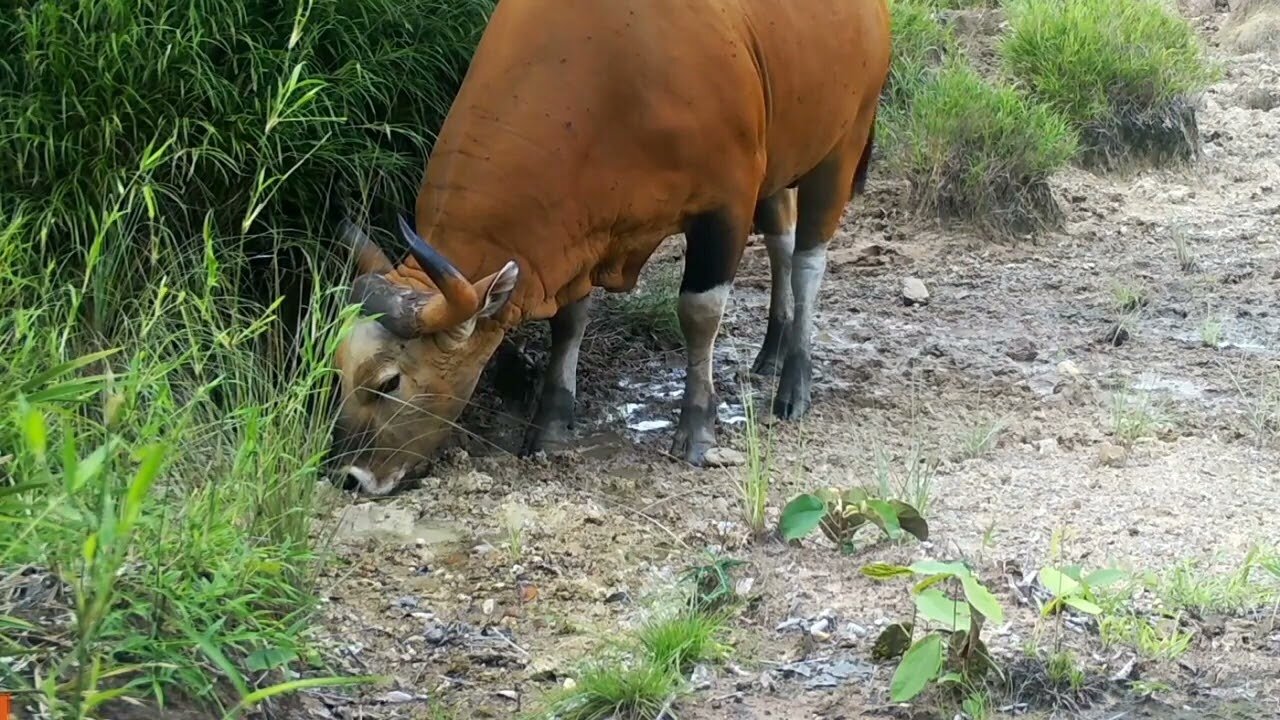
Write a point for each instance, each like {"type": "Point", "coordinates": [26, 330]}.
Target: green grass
{"type": "Point", "coordinates": [978, 152]}
{"type": "Point", "coordinates": [684, 640]}
{"type": "Point", "coordinates": [1119, 72]}
{"type": "Point", "coordinates": [1193, 587]}
{"type": "Point", "coordinates": [648, 312]}
{"type": "Point", "coordinates": [171, 174]}
{"type": "Point", "coordinates": [639, 690]}
{"type": "Point", "coordinates": [920, 45]}
{"type": "Point", "coordinates": [645, 672]}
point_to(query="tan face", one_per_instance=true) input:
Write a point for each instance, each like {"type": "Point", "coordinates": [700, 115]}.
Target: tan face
{"type": "Point", "coordinates": [404, 383]}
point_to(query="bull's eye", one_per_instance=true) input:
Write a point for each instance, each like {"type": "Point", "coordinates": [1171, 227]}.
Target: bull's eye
{"type": "Point", "coordinates": [389, 386]}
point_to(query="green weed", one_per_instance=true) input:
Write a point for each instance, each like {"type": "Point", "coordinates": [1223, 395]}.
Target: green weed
{"type": "Point", "coordinates": [753, 490]}
{"type": "Point", "coordinates": [981, 439]}
{"type": "Point", "coordinates": [1211, 332]}
{"type": "Point", "coordinates": [1134, 416]}
{"type": "Point", "coordinates": [1119, 72]}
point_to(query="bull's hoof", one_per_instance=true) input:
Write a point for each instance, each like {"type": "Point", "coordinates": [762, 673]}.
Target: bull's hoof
{"type": "Point", "coordinates": [767, 364]}
{"type": "Point", "coordinates": [695, 435]}
{"type": "Point", "coordinates": [552, 440]}
{"type": "Point", "coordinates": [794, 389]}
{"type": "Point", "coordinates": [552, 428]}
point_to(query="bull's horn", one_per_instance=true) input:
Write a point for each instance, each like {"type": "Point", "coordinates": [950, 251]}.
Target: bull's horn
{"type": "Point", "coordinates": [457, 301]}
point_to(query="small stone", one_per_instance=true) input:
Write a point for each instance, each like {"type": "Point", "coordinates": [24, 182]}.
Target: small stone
{"type": "Point", "coordinates": [701, 677]}
{"type": "Point", "coordinates": [397, 696]}
{"type": "Point", "coordinates": [1047, 446]}
{"type": "Point", "coordinates": [1069, 369]}
{"type": "Point", "coordinates": [435, 635]}
{"type": "Point", "coordinates": [487, 606]}
{"type": "Point", "coordinates": [1112, 455]}
{"type": "Point", "coordinates": [570, 683]}
{"type": "Point", "coordinates": [724, 457]}
{"type": "Point", "coordinates": [1022, 350]}
{"type": "Point", "coordinates": [914, 292]}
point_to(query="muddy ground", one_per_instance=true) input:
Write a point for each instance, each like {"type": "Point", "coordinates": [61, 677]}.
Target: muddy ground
{"type": "Point", "coordinates": [428, 590]}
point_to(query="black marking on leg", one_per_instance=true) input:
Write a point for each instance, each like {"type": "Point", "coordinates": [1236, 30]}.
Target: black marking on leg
{"type": "Point", "coordinates": [714, 245]}
{"type": "Point", "coordinates": [794, 389]}
{"type": "Point", "coordinates": [769, 360]}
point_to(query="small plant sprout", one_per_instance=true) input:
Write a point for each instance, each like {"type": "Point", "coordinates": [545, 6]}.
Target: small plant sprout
{"type": "Point", "coordinates": [712, 585]}
{"type": "Point", "coordinates": [1071, 588]}
{"type": "Point", "coordinates": [1133, 417]}
{"type": "Point", "coordinates": [753, 489]}
{"type": "Point", "coordinates": [514, 520]}
{"type": "Point", "coordinates": [841, 513]}
{"type": "Point", "coordinates": [1128, 297]}
{"type": "Point", "coordinates": [1182, 250]}
{"type": "Point", "coordinates": [913, 485]}
{"type": "Point", "coordinates": [1211, 332]}
{"type": "Point", "coordinates": [980, 440]}
{"type": "Point", "coordinates": [950, 648]}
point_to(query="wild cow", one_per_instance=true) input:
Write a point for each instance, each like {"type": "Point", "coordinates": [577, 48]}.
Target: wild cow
{"type": "Point", "coordinates": [584, 134]}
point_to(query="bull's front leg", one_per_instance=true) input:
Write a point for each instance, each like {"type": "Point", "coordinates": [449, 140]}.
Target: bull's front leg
{"type": "Point", "coordinates": [553, 419]}
{"type": "Point", "coordinates": [714, 243]}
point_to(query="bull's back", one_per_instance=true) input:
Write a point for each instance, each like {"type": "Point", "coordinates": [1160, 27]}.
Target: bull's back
{"type": "Point", "coordinates": [610, 121]}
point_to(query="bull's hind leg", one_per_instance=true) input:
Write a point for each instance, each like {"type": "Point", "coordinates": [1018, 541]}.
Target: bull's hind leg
{"type": "Point", "coordinates": [714, 243]}
{"type": "Point", "coordinates": [553, 420]}
{"type": "Point", "coordinates": [823, 193]}
{"type": "Point", "coordinates": [776, 220]}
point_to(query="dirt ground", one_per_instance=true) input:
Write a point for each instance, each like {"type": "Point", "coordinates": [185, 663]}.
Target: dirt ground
{"type": "Point", "coordinates": [428, 591]}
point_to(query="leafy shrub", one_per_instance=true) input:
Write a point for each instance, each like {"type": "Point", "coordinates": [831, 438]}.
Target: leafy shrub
{"type": "Point", "coordinates": [1120, 72]}
{"type": "Point", "coordinates": [978, 152]}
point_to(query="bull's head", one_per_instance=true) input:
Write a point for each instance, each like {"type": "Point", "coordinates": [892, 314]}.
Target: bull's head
{"type": "Point", "coordinates": [408, 372]}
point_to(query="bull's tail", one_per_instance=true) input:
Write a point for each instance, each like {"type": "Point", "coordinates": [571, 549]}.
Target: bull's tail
{"type": "Point", "coordinates": [860, 175]}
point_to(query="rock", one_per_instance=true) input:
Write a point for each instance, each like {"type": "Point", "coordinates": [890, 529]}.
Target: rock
{"type": "Point", "coordinates": [1022, 350]}
{"type": "Point", "coordinates": [1112, 455]}
{"type": "Point", "coordinates": [1067, 368]}
{"type": "Point", "coordinates": [701, 677]}
{"type": "Point", "coordinates": [488, 606]}
{"type": "Point", "coordinates": [435, 635]}
{"type": "Point", "coordinates": [1047, 446]}
{"type": "Point", "coordinates": [724, 457]}
{"type": "Point", "coordinates": [914, 292]}
{"type": "Point", "coordinates": [398, 696]}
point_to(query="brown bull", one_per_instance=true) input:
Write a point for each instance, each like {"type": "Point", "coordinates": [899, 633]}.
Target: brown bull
{"type": "Point", "coordinates": [585, 133]}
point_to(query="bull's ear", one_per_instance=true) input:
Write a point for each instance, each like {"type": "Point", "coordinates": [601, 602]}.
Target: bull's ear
{"type": "Point", "coordinates": [500, 286]}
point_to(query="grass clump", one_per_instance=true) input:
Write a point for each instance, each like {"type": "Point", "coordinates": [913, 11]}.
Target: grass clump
{"type": "Point", "coordinates": [1122, 73]}
{"type": "Point", "coordinates": [977, 152]}
{"type": "Point", "coordinates": [648, 312]}
{"type": "Point", "coordinates": [647, 673]}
